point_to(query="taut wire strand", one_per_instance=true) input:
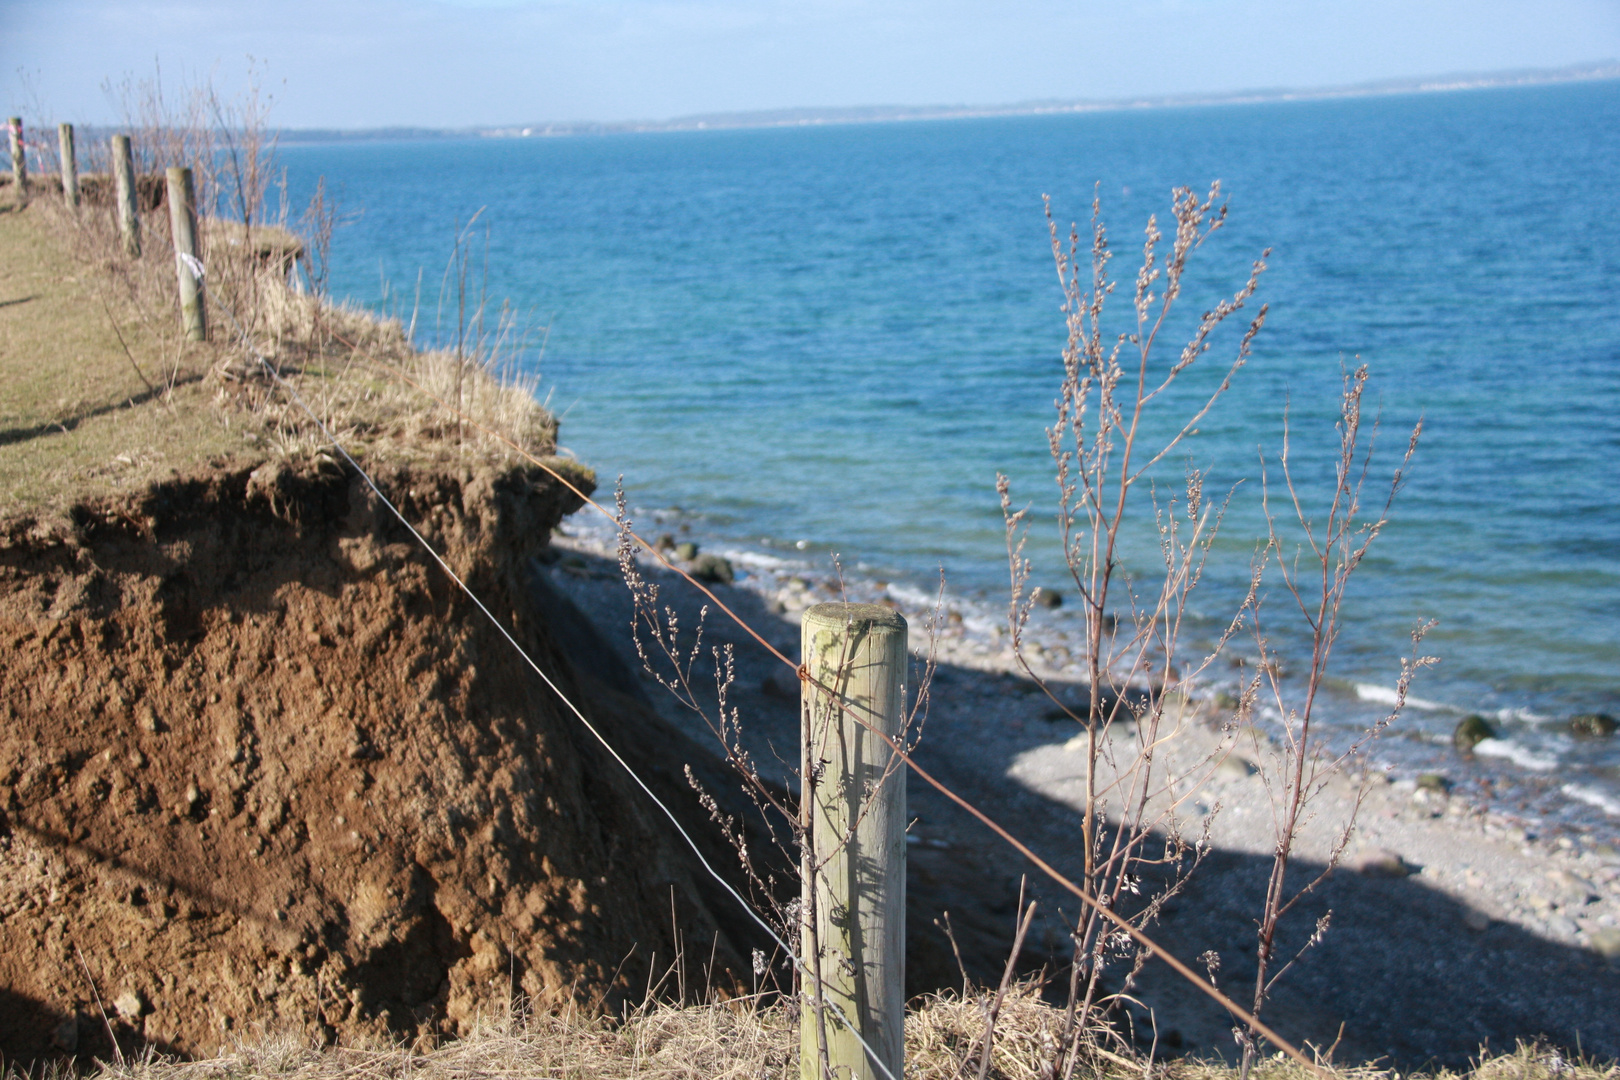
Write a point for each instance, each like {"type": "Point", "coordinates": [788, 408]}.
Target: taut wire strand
{"type": "Point", "coordinates": [298, 399]}
{"type": "Point", "coordinates": [1175, 964]}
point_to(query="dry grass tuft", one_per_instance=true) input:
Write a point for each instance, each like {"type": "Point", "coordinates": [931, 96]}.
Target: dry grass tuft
{"type": "Point", "coordinates": [743, 1039]}
{"type": "Point", "coordinates": [372, 387]}
{"type": "Point", "coordinates": [100, 394]}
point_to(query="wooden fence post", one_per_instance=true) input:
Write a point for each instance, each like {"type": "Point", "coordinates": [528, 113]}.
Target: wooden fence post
{"type": "Point", "coordinates": [183, 227]}
{"type": "Point", "coordinates": [853, 932]}
{"type": "Point", "coordinates": [129, 212]}
{"type": "Point", "coordinates": [19, 162]}
{"type": "Point", "coordinates": [70, 165]}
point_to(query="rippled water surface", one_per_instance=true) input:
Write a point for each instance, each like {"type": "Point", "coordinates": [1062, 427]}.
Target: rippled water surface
{"type": "Point", "coordinates": [838, 335]}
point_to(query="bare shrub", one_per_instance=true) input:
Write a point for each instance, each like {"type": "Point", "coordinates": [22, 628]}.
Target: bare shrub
{"type": "Point", "coordinates": [1315, 576]}
{"type": "Point", "coordinates": [1135, 854]}
{"type": "Point", "coordinates": [790, 883]}
{"type": "Point", "coordinates": [1141, 687]}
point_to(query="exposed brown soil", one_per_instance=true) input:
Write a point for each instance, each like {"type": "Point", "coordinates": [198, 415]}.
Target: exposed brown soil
{"type": "Point", "coordinates": [261, 766]}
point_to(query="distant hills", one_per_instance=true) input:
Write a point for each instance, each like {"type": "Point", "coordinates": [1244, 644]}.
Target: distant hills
{"type": "Point", "coordinates": [884, 114]}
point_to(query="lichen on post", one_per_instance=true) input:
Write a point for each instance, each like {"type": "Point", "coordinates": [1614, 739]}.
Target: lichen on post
{"type": "Point", "coordinates": [854, 803]}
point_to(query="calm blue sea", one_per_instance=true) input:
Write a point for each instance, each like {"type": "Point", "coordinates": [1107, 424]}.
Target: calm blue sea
{"type": "Point", "coordinates": [831, 338]}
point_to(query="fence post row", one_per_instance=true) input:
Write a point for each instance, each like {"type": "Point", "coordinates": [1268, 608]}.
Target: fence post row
{"type": "Point", "coordinates": [855, 860]}
{"type": "Point", "coordinates": [19, 161]}
{"type": "Point", "coordinates": [129, 217]}
{"type": "Point", "coordinates": [70, 165]}
{"type": "Point", "coordinates": [183, 227]}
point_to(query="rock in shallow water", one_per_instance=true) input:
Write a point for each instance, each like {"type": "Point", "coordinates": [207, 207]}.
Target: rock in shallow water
{"type": "Point", "coordinates": [1592, 725]}
{"type": "Point", "coordinates": [1470, 732]}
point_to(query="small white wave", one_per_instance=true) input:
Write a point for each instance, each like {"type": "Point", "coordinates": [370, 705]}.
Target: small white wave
{"type": "Point", "coordinates": [1520, 716]}
{"type": "Point", "coordinates": [1592, 797]}
{"type": "Point", "coordinates": [1386, 695]}
{"type": "Point", "coordinates": [912, 598]}
{"type": "Point", "coordinates": [759, 561]}
{"type": "Point", "coordinates": [1521, 756]}
{"type": "Point", "coordinates": [981, 626]}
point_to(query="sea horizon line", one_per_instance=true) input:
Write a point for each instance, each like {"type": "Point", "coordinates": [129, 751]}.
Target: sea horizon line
{"type": "Point", "coordinates": [811, 116]}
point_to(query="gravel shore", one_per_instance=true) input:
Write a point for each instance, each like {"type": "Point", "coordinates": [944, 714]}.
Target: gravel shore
{"type": "Point", "coordinates": [1452, 927]}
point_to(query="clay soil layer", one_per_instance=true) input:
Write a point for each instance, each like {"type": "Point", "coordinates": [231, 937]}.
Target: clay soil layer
{"type": "Point", "coordinates": [263, 768]}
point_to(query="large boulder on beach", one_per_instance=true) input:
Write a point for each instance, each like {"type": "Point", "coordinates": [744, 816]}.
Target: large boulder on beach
{"type": "Point", "coordinates": [1592, 725]}
{"type": "Point", "coordinates": [1470, 732]}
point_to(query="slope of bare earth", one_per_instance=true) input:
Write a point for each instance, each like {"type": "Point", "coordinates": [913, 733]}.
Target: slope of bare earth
{"type": "Point", "coordinates": [262, 767]}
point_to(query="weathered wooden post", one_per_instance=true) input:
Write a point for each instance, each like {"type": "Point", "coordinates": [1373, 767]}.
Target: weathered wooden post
{"type": "Point", "coordinates": [19, 161]}
{"type": "Point", "coordinates": [70, 165]}
{"type": "Point", "coordinates": [129, 211]}
{"type": "Point", "coordinates": [183, 227]}
{"type": "Point", "coordinates": [853, 930]}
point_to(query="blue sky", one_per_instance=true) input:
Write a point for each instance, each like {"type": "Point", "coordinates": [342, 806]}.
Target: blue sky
{"type": "Point", "coordinates": [363, 63]}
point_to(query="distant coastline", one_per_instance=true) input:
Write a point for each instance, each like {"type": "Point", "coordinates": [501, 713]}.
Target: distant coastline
{"type": "Point", "coordinates": [887, 114]}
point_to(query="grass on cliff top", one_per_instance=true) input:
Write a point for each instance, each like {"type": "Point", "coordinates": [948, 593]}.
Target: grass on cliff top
{"type": "Point", "coordinates": [77, 419]}
{"type": "Point", "coordinates": [100, 395]}
{"type": "Point", "coordinates": [734, 1041]}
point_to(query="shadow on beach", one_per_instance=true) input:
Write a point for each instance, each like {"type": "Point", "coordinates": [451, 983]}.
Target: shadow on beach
{"type": "Point", "coordinates": [1400, 977]}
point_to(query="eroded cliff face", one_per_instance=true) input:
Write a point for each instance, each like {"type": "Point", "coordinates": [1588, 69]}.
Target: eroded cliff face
{"type": "Point", "coordinates": [263, 767]}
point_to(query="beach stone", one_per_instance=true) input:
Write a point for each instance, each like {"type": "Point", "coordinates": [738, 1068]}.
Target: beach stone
{"type": "Point", "coordinates": [714, 568]}
{"type": "Point", "coordinates": [1592, 725]}
{"type": "Point", "coordinates": [131, 1004]}
{"type": "Point", "coordinates": [666, 543]}
{"type": "Point", "coordinates": [1235, 767]}
{"type": "Point", "coordinates": [686, 551]}
{"type": "Point", "coordinates": [1049, 598]}
{"type": "Point", "coordinates": [1382, 864]}
{"type": "Point", "coordinates": [1573, 886]}
{"type": "Point", "coordinates": [1470, 732]}
{"type": "Point", "coordinates": [1434, 782]}
{"type": "Point", "coordinates": [1476, 920]}
{"type": "Point", "coordinates": [1606, 943]}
